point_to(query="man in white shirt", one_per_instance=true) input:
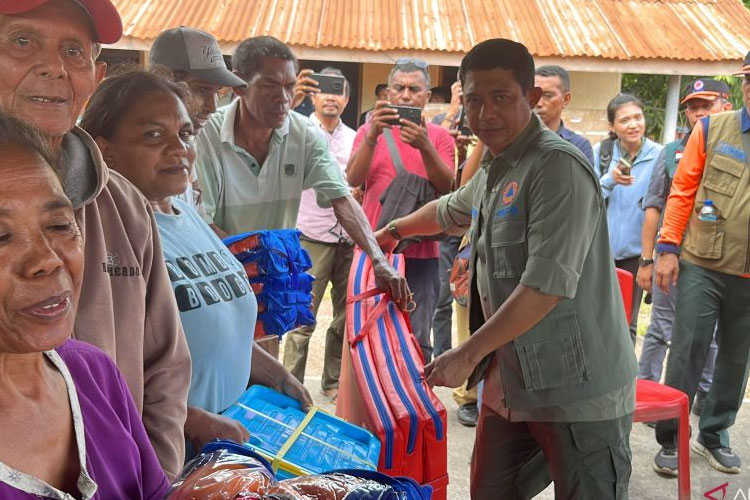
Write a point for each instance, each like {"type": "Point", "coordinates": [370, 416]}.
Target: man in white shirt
{"type": "Point", "coordinates": [329, 246]}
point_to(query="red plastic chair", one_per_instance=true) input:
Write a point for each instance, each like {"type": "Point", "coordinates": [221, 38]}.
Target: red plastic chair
{"type": "Point", "coordinates": [654, 401]}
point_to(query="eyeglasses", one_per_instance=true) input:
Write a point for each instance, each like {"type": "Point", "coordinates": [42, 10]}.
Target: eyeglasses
{"type": "Point", "coordinates": [419, 63]}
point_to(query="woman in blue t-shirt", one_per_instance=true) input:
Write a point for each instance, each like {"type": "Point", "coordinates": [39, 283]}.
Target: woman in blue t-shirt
{"type": "Point", "coordinates": [141, 123]}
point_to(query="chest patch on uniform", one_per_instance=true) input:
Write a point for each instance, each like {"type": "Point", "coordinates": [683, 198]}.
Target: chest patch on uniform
{"type": "Point", "coordinates": [290, 169]}
{"type": "Point", "coordinates": [729, 150]}
{"type": "Point", "coordinates": [509, 192]}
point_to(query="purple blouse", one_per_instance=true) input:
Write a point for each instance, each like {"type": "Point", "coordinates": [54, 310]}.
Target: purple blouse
{"type": "Point", "coordinates": [116, 456]}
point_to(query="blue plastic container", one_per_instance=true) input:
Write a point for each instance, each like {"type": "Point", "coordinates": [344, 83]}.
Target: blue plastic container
{"type": "Point", "coordinates": [297, 443]}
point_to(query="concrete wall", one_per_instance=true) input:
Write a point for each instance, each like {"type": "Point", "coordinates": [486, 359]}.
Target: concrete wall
{"type": "Point", "coordinates": [373, 74]}
{"type": "Point", "coordinates": [587, 112]}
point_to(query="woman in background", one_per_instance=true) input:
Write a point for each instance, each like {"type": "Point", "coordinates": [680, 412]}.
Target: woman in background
{"type": "Point", "coordinates": [624, 183]}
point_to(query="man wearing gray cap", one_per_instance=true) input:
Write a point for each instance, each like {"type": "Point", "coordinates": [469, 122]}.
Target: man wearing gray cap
{"type": "Point", "coordinates": [194, 57]}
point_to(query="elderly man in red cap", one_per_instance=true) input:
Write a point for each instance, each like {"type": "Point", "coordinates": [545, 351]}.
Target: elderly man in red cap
{"type": "Point", "coordinates": [48, 51]}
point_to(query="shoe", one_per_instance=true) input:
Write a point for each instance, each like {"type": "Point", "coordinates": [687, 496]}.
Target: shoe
{"type": "Point", "coordinates": [721, 459]}
{"type": "Point", "coordinates": [699, 402]}
{"type": "Point", "coordinates": [665, 462]}
{"type": "Point", "coordinates": [468, 415]}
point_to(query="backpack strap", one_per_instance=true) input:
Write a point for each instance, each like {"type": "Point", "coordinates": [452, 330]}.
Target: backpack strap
{"type": "Point", "coordinates": [605, 155]}
{"type": "Point", "coordinates": [393, 150]}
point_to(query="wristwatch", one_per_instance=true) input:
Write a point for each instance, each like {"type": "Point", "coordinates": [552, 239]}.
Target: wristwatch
{"type": "Point", "coordinates": [394, 232]}
{"type": "Point", "coordinates": [645, 262]}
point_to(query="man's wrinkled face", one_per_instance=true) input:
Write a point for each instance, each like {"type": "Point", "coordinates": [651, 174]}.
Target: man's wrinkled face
{"type": "Point", "coordinates": [554, 99]}
{"type": "Point", "coordinates": [204, 96]}
{"type": "Point", "coordinates": [498, 109]}
{"type": "Point", "coordinates": [408, 89]}
{"type": "Point", "coordinates": [48, 69]}
{"type": "Point", "coordinates": [268, 96]}
{"type": "Point", "coordinates": [695, 109]}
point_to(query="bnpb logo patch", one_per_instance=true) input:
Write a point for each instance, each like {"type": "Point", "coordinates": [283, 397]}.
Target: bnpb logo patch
{"type": "Point", "coordinates": [509, 192]}
{"type": "Point", "coordinates": [698, 85]}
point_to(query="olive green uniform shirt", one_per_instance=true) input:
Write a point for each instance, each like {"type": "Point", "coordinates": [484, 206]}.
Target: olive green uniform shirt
{"type": "Point", "coordinates": [536, 217]}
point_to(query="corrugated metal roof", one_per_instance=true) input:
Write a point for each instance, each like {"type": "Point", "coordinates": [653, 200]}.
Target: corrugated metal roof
{"type": "Point", "coordinates": [685, 30]}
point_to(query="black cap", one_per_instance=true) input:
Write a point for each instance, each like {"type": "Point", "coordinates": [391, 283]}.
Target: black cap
{"type": "Point", "coordinates": [707, 89]}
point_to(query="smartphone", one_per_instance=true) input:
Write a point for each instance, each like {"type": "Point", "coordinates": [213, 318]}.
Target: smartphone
{"type": "Point", "coordinates": [407, 113]}
{"type": "Point", "coordinates": [463, 128]}
{"type": "Point", "coordinates": [624, 166]}
{"type": "Point", "coordinates": [329, 84]}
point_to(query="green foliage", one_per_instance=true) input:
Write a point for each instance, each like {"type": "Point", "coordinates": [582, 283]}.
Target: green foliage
{"type": "Point", "coordinates": [652, 90]}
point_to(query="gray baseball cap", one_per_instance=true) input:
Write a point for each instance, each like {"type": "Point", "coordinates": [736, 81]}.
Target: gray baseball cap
{"type": "Point", "coordinates": [195, 52]}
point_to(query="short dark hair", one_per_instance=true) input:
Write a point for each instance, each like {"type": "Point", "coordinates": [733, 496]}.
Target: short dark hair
{"type": "Point", "coordinates": [116, 95]}
{"type": "Point", "coordinates": [379, 87]}
{"type": "Point", "coordinates": [619, 101]}
{"type": "Point", "coordinates": [558, 71]}
{"type": "Point", "coordinates": [250, 55]}
{"type": "Point", "coordinates": [500, 53]}
{"type": "Point", "coordinates": [330, 70]}
{"type": "Point", "coordinates": [411, 66]}
{"type": "Point", "coordinates": [444, 92]}
{"type": "Point", "coordinates": [14, 132]}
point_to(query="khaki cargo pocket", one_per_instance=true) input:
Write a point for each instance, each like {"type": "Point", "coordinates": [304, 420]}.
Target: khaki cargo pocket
{"type": "Point", "coordinates": [509, 248]}
{"type": "Point", "coordinates": [551, 354]}
{"type": "Point", "coordinates": [723, 175]}
{"type": "Point", "coordinates": [706, 239]}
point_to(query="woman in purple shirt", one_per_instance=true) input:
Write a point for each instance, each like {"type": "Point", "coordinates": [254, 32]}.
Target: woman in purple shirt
{"type": "Point", "coordinates": [69, 426]}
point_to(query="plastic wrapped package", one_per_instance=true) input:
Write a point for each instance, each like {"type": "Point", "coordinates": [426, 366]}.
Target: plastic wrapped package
{"type": "Point", "coordinates": [223, 470]}
{"type": "Point", "coordinates": [331, 487]}
{"type": "Point", "coordinates": [349, 484]}
{"type": "Point", "coordinates": [275, 264]}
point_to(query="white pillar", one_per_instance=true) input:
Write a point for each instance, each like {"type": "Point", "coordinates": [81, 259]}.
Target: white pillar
{"type": "Point", "coordinates": [671, 109]}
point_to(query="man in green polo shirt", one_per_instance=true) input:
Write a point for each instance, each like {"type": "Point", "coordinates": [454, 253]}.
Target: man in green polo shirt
{"type": "Point", "coordinates": [548, 326]}
{"type": "Point", "coordinates": [256, 156]}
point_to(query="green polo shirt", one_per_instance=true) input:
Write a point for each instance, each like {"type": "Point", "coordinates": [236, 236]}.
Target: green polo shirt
{"type": "Point", "coordinates": [536, 217]}
{"type": "Point", "coordinates": [240, 194]}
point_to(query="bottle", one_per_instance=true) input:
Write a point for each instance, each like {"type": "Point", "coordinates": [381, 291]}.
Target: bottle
{"type": "Point", "coordinates": [708, 212]}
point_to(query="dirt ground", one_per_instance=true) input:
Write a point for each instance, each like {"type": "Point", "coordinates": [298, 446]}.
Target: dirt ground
{"type": "Point", "coordinates": [644, 484]}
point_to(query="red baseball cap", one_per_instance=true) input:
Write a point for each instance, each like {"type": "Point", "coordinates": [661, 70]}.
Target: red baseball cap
{"type": "Point", "coordinates": [103, 15]}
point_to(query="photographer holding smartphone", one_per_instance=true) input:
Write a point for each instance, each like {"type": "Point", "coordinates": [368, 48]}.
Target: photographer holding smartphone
{"type": "Point", "coordinates": [386, 153]}
{"type": "Point", "coordinates": [624, 163]}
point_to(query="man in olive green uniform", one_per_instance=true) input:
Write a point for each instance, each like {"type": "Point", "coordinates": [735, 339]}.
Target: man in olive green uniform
{"type": "Point", "coordinates": [549, 334]}
{"type": "Point", "coordinates": [714, 279]}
